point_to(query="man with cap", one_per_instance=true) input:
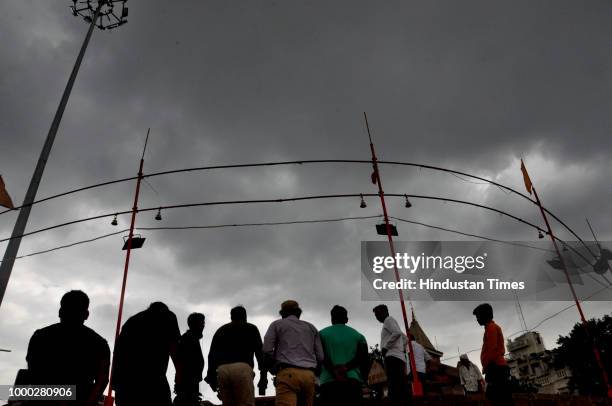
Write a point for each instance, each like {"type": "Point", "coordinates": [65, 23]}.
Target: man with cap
{"type": "Point", "coordinates": [393, 344]}
{"type": "Point", "coordinates": [470, 376]}
{"type": "Point", "coordinates": [292, 349]}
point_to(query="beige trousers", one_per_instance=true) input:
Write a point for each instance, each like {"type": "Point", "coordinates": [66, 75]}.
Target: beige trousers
{"type": "Point", "coordinates": [294, 387]}
{"type": "Point", "coordinates": [236, 384]}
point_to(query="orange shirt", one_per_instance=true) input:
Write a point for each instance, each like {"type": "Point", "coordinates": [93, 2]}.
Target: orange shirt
{"type": "Point", "coordinates": [493, 348]}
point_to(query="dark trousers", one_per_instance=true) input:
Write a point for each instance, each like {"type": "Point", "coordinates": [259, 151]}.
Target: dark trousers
{"type": "Point", "coordinates": [498, 385]}
{"type": "Point", "coordinates": [399, 393]}
{"type": "Point", "coordinates": [187, 394]}
{"type": "Point", "coordinates": [342, 393]}
{"type": "Point", "coordinates": [138, 393]}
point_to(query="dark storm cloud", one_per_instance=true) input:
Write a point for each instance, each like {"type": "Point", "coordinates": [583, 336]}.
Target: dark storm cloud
{"type": "Point", "coordinates": [473, 86]}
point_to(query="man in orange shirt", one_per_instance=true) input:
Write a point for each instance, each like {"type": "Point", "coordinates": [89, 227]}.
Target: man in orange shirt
{"type": "Point", "coordinates": [494, 366]}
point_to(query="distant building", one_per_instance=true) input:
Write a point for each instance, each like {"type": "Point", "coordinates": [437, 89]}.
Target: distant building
{"type": "Point", "coordinates": [421, 338]}
{"type": "Point", "coordinates": [441, 378]}
{"type": "Point", "coordinates": [531, 363]}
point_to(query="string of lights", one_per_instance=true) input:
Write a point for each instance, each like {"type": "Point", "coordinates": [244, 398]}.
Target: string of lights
{"type": "Point", "coordinates": [481, 237]}
{"type": "Point", "coordinates": [271, 223]}
{"type": "Point", "coordinates": [302, 198]}
{"type": "Point", "coordinates": [319, 161]}
{"type": "Point", "coordinates": [275, 223]}
{"type": "Point", "coordinates": [282, 200]}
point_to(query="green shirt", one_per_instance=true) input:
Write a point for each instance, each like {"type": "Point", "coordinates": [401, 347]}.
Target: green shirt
{"type": "Point", "coordinates": [340, 345]}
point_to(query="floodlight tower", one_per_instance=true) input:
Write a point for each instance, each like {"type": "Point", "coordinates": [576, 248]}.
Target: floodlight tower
{"type": "Point", "coordinates": [104, 14]}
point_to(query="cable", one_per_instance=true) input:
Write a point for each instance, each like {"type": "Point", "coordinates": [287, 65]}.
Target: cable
{"type": "Point", "coordinates": [273, 223]}
{"type": "Point", "coordinates": [468, 234]}
{"type": "Point", "coordinates": [70, 245]}
{"type": "Point", "coordinates": [71, 192]}
{"type": "Point", "coordinates": [298, 222]}
{"type": "Point", "coordinates": [279, 200]}
{"type": "Point", "coordinates": [436, 168]}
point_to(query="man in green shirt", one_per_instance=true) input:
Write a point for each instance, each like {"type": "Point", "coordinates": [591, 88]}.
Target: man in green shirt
{"type": "Point", "coordinates": [346, 361]}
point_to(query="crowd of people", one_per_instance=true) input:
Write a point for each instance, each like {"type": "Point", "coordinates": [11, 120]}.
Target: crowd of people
{"type": "Point", "coordinates": [333, 362]}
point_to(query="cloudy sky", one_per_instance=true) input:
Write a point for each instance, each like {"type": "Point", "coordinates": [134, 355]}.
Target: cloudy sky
{"type": "Point", "coordinates": [472, 86]}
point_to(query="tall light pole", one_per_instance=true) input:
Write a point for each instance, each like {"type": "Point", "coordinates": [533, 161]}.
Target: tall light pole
{"type": "Point", "coordinates": [98, 13]}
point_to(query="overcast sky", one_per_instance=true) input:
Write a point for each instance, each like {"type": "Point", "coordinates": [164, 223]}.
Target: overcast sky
{"type": "Point", "coordinates": [472, 86]}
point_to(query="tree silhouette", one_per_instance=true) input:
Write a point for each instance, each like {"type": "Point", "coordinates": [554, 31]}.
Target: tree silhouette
{"type": "Point", "coordinates": [576, 351]}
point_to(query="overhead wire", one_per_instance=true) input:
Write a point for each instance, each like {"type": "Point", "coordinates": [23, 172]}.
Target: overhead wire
{"type": "Point", "coordinates": [300, 162]}
{"type": "Point", "coordinates": [277, 200]}
{"type": "Point", "coordinates": [303, 198]}
{"type": "Point", "coordinates": [272, 223]}
{"type": "Point", "coordinates": [297, 222]}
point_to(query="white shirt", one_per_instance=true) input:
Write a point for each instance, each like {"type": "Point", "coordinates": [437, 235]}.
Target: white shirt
{"type": "Point", "coordinates": [470, 377]}
{"type": "Point", "coordinates": [420, 357]}
{"type": "Point", "coordinates": [295, 342]}
{"type": "Point", "coordinates": [392, 339]}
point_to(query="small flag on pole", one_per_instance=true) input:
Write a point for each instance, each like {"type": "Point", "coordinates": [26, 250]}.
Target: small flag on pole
{"type": "Point", "coordinates": [5, 199]}
{"type": "Point", "coordinates": [528, 184]}
{"type": "Point", "coordinates": [373, 177]}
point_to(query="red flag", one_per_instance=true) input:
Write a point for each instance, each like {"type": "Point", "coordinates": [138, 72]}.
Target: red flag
{"type": "Point", "coordinates": [373, 177]}
{"type": "Point", "coordinates": [528, 184]}
{"type": "Point", "coordinates": [5, 199]}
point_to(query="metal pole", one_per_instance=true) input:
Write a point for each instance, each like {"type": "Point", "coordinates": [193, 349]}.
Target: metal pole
{"type": "Point", "coordinates": [578, 306]}
{"type": "Point", "coordinates": [417, 386]}
{"type": "Point", "coordinates": [13, 246]}
{"type": "Point", "coordinates": [109, 397]}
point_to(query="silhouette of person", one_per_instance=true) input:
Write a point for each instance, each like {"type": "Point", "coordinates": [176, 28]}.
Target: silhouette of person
{"type": "Point", "coordinates": [293, 347]}
{"type": "Point", "coordinates": [494, 365]}
{"type": "Point", "coordinates": [191, 363]}
{"type": "Point", "coordinates": [346, 361]}
{"type": "Point", "coordinates": [70, 353]}
{"type": "Point", "coordinates": [141, 356]}
{"type": "Point", "coordinates": [393, 348]}
{"type": "Point", "coordinates": [230, 360]}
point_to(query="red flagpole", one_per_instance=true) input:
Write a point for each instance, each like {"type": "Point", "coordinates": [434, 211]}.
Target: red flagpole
{"type": "Point", "coordinates": [417, 386]}
{"type": "Point", "coordinates": [109, 396]}
{"type": "Point", "coordinates": [578, 306]}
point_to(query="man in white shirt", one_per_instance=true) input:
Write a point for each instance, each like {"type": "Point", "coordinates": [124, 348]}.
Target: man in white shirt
{"type": "Point", "coordinates": [393, 344]}
{"type": "Point", "coordinates": [421, 357]}
{"type": "Point", "coordinates": [470, 375]}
